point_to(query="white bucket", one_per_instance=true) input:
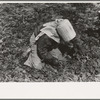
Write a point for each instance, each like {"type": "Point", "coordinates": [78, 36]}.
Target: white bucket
{"type": "Point", "coordinates": [65, 30]}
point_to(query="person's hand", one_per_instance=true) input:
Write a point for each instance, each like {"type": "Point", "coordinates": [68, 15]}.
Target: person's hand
{"type": "Point", "coordinates": [56, 62]}
{"type": "Point", "coordinates": [69, 44]}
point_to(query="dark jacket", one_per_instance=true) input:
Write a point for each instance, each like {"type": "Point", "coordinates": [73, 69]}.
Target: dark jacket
{"type": "Point", "coordinates": [44, 46]}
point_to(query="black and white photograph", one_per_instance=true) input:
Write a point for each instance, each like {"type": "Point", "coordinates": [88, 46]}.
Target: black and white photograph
{"type": "Point", "coordinates": [49, 49]}
{"type": "Point", "coordinates": [50, 42]}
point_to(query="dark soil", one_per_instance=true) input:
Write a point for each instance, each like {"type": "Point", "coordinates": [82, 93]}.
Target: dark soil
{"type": "Point", "coordinates": [17, 23]}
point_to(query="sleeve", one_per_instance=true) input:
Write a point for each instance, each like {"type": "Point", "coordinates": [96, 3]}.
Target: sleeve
{"type": "Point", "coordinates": [77, 42]}
{"type": "Point", "coordinates": [44, 45]}
{"type": "Point", "coordinates": [37, 29]}
{"type": "Point", "coordinates": [35, 33]}
{"type": "Point", "coordinates": [32, 42]}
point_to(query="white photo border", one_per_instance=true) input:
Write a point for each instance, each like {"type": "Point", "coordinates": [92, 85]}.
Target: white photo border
{"type": "Point", "coordinates": [50, 90]}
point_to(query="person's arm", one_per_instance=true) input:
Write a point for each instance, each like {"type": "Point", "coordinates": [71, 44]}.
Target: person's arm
{"type": "Point", "coordinates": [77, 43]}
{"type": "Point", "coordinates": [44, 46]}
{"type": "Point", "coordinates": [37, 29]}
